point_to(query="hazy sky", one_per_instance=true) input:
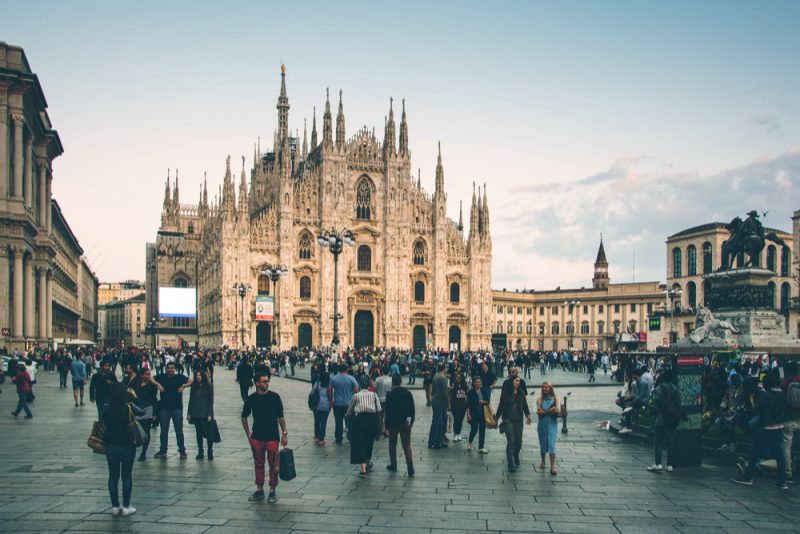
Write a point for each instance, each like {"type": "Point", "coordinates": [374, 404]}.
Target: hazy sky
{"type": "Point", "coordinates": [634, 119]}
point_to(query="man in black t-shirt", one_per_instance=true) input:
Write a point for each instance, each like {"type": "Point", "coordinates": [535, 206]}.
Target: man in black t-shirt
{"type": "Point", "coordinates": [244, 376]}
{"type": "Point", "coordinates": [267, 410]}
{"type": "Point", "coordinates": [171, 408]}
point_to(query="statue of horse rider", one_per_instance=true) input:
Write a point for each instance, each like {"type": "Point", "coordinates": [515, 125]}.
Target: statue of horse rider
{"type": "Point", "coordinates": [747, 237]}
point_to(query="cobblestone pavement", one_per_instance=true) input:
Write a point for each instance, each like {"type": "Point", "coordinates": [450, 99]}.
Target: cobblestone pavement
{"type": "Point", "coordinates": [51, 482]}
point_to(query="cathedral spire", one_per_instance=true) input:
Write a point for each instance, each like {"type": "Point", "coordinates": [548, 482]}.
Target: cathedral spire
{"type": "Point", "coordinates": [228, 200]}
{"type": "Point", "coordinates": [175, 195]}
{"type": "Point", "coordinates": [340, 124]}
{"type": "Point", "coordinates": [439, 172]}
{"type": "Point", "coordinates": [305, 140]}
{"type": "Point", "coordinates": [485, 213]}
{"type": "Point", "coordinates": [314, 130]}
{"type": "Point", "coordinates": [388, 143]}
{"type": "Point", "coordinates": [327, 125]}
{"type": "Point", "coordinates": [473, 216]}
{"type": "Point", "coordinates": [283, 107]}
{"type": "Point", "coordinates": [460, 216]}
{"type": "Point", "coordinates": [243, 191]}
{"type": "Point", "coordinates": [205, 191]}
{"type": "Point", "coordinates": [167, 194]}
{"type": "Point", "coordinates": [403, 151]}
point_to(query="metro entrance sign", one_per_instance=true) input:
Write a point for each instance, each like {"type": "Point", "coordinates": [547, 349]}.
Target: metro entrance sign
{"type": "Point", "coordinates": [6, 332]}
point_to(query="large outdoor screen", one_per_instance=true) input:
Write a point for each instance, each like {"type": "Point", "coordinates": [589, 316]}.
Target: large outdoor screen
{"type": "Point", "coordinates": [177, 302]}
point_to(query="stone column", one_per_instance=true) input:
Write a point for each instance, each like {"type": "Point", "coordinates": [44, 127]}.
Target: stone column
{"type": "Point", "coordinates": [43, 204]}
{"type": "Point", "coordinates": [49, 304]}
{"type": "Point", "coordinates": [3, 145]}
{"type": "Point", "coordinates": [16, 330]}
{"type": "Point", "coordinates": [48, 209]}
{"type": "Point", "coordinates": [29, 289]}
{"type": "Point", "coordinates": [28, 173]}
{"type": "Point", "coordinates": [5, 300]}
{"type": "Point", "coordinates": [19, 123]}
{"type": "Point", "coordinates": [42, 334]}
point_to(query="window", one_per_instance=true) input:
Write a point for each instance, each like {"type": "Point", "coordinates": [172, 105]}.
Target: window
{"type": "Point", "coordinates": [555, 328]}
{"type": "Point", "coordinates": [772, 254]}
{"type": "Point", "coordinates": [419, 252]}
{"type": "Point", "coordinates": [601, 326]}
{"type": "Point", "coordinates": [616, 308]}
{"type": "Point", "coordinates": [676, 263]}
{"type": "Point", "coordinates": [785, 297]}
{"type": "Point", "coordinates": [600, 308]}
{"type": "Point", "coordinates": [691, 260]}
{"type": "Point", "coordinates": [364, 258]}
{"type": "Point", "coordinates": [570, 328]}
{"type": "Point", "coordinates": [706, 290]}
{"type": "Point", "coordinates": [305, 246]}
{"type": "Point", "coordinates": [616, 326]}
{"type": "Point", "coordinates": [499, 327]}
{"type": "Point", "coordinates": [181, 282]}
{"type": "Point", "coordinates": [529, 328]}
{"type": "Point", "coordinates": [708, 259]}
{"type": "Point", "coordinates": [190, 229]}
{"type": "Point", "coordinates": [510, 327]}
{"type": "Point", "coordinates": [305, 287]}
{"type": "Point", "coordinates": [500, 308]}
{"type": "Point", "coordinates": [541, 311]}
{"type": "Point", "coordinates": [509, 309]}
{"type": "Point", "coordinates": [555, 310]}
{"type": "Point", "coordinates": [585, 327]}
{"type": "Point", "coordinates": [363, 201]}
{"type": "Point", "coordinates": [455, 293]}
{"type": "Point", "coordinates": [263, 284]}
{"type": "Point", "coordinates": [519, 327]}
{"type": "Point", "coordinates": [585, 308]}
{"type": "Point", "coordinates": [529, 310]}
{"type": "Point", "coordinates": [519, 310]}
{"type": "Point", "coordinates": [419, 292]}
{"type": "Point", "coordinates": [541, 329]}
{"type": "Point", "coordinates": [691, 288]}
{"type": "Point", "coordinates": [649, 307]}
{"type": "Point", "coordinates": [633, 307]}
{"type": "Point", "coordinates": [631, 326]}
{"type": "Point", "coordinates": [785, 261]}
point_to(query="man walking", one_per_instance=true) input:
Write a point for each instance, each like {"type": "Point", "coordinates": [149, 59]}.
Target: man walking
{"type": "Point", "coordinates": [267, 410]}
{"type": "Point", "coordinates": [23, 381]}
{"type": "Point", "coordinates": [344, 386]}
{"type": "Point", "coordinates": [475, 416]}
{"type": "Point", "coordinates": [171, 408]}
{"type": "Point", "coordinates": [440, 402]}
{"type": "Point", "coordinates": [78, 371]}
{"type": "Point", "coordinates": [98, 387]}
{"type": "Point", "coordinates": [383, 385]}
{"type": "Point", "coordinates": [244, 376]}
{"type": "Point", "coordinates": [400, 414]}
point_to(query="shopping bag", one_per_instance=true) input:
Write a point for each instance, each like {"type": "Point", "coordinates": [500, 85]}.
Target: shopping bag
{"type": "Point", "coordinates": [95, 441]}
{"type": "Point", "coordinates": [488, 417]}
{"type": "Point", "coordinates": [449, 422]}
{"type": "Point", "coordinates": [213, 432]}
{"type": "Point", "coordinates": [286, 469]}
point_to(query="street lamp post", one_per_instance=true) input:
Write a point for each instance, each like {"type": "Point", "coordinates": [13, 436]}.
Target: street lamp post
{"type": "Point", "coordinates": [334, 240]}
{"type": "Point", "coordinates": [672, 294]}
{"type": "Point", "coordinates": [572, 304]}
{"type": "Point", "coordinates": [242, 290]}
{"type": "Point", "coordinates": [152, 327]}
{"type": "Point", "coordinates": [274, 273]}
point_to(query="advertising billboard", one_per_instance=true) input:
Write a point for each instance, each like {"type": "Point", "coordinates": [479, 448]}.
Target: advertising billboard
{"type": "Point", "coordinates": [265, 306]}
{"type": "Point", "coordinates": [177, 302]}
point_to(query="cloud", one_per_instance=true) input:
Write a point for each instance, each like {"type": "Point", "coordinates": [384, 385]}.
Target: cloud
{"type": "Point", "coordinates": [769, 123]}
{"type": "Point", "coordinates": [548, 236]}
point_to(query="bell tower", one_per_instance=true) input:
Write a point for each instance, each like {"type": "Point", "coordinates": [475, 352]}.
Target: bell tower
{"type": "Point", "coordinates": [600, 279]}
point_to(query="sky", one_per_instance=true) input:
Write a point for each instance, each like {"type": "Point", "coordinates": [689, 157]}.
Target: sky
{"type": "Point", "coordinates": [631, 119]}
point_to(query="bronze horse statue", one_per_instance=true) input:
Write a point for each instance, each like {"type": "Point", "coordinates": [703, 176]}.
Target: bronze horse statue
{"type": "Point", "coordinates": [747, 237]}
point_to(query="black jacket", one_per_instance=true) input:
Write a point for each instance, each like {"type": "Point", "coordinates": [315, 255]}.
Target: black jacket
{"type": "Point", "coordinates": [399, 407]}
{"type": "Point", "coordinates": [473, 406]}
{"type": "Point", "coordinates": [244, 373]}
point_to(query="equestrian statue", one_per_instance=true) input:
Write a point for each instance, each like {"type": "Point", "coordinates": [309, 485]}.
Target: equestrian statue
{"type": "Point", "coordinates": [747, 237]}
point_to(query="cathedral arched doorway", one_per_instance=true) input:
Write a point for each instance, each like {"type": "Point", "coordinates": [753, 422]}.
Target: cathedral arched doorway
{"type": "Point", "coordinates": [363, 329]}
{"type": "Point", "coordinates": [454, 337]}
{"type": "Point", "coordinates": [304, 335]}
{"type": "Point", "coordinates": [419, 338]}
{"type": "Point", "coordinates": [263, 335]}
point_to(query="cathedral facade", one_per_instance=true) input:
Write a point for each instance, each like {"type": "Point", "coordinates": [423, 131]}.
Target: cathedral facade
{"type": "Point", "coordinates": [412, 278]}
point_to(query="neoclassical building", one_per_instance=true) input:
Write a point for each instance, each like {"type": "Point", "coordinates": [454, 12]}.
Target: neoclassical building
{"type": "Point", "coordinates": [412, 278]}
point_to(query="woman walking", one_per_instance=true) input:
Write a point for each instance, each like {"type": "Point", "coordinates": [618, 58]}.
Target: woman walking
{"type": "Point", "coordinates": [458, 405]}
{"type": "Point", "coordinates": [323, 408]}
{"type": "Point", "coordinates": [511, 408]}
{"type": "Point", "coordinates": [201, 411]}
{"type": "Point", "coordinates": [548, 408]}
{"type": "Point", "coordinates": [363, 411]}
{"type": "Point", "coordinates": [120, 451]}
{"type": "Point", "coordinates": [144, 392]}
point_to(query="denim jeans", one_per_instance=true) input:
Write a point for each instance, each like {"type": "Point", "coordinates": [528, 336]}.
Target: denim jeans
{"type": "Point", "coordinates": [120, 461]}
{"type": "Point", "coordinates": [404, 432]}
{"type": "Point", "coordinates": [412, 376]}
{"type": "Point", "coordinates": [321, 423]}
{"type": "Point", "coordinates": [664, 434]}
{"type": "Point", "coordinates": [767, 439]}
{"type": "Point", "coordinates": [438, 426]}
{"type": "Point", "coordinates": [22, 404]}
{"type": "Point", "coordinates": [513, 439]}
{"type": "Point", "coordinates": [177, 420]}
{"type": "Point", "coordinates": [478, 426]}
{"type": "Point", "coordinates": [791, 426]}
{"type": "Point", "coordinates": [338, 415]}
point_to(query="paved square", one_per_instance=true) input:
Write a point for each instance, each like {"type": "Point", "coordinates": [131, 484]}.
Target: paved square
{"type": "Point", "coordinates": [51, 482]}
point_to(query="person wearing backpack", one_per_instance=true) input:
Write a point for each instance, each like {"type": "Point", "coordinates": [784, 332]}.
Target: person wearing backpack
{"type": "Point", "coordinates": [319, 400]}
{"type": "Point", "coordinates": [770, 406]}
{"type": "Point", "coordinates": [666, 403]}
{"type": "Point", "coordinates": [791, 422]}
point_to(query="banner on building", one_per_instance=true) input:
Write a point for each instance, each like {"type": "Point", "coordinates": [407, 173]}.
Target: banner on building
{"type": "Point", "coordinates": [265, 306]}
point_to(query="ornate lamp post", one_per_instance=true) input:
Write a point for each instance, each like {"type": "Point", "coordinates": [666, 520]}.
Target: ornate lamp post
{"type": "Point", "coordinates": [572, 305]}
{"type": "Point", "coordinates": [152, 327]}
{"type": "Point", "coordinates": [672, 294]}
{"type": "Point", "coordinates": [242, 290]}
{"type": "Point", "coordinates": [334, 240]}
{"type": "Point", "coordinates": [274, 273]}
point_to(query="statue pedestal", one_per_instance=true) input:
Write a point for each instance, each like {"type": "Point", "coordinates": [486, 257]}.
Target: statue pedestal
{"type": "Point", "coordinates": [743, 315]}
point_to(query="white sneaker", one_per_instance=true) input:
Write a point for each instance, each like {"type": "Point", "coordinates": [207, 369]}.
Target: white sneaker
{"type": "Point", "coordinates": [629, 409]}
{"type": "Point", "coordinates": [483, 451]}
{"type": "Point", "coordinates": [669, 469]}
{"type": "Point", "coordinates": [469, 445]}
{"type": "Point", "coordinates": [457, 438]}
{"type": "Point", "coordinates": [655, 468]}
{"type": "Point", "coordinates": [625, 431]}
{"type": "Point", "coordinates": [130, 510]}
{"type": "Point", "coordinates": [116, 510]}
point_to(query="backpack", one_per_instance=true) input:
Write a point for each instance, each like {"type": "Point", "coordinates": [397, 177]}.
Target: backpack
{"type": "Point", "coordinates": [792, 397]}
{"type": "Point", "coordinates": [313, 398]}
{"type": "Point", "coordinates": [670, 406]}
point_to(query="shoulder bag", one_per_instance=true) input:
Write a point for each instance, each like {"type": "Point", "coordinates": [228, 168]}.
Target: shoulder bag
{"type": "Point", "coordinates": [134, 430]}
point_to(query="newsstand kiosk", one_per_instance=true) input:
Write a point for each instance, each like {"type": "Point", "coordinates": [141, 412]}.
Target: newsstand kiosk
{"type": "Point", "coordinates": [689, 436]}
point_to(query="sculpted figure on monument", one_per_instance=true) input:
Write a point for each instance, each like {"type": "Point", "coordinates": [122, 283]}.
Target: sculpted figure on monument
{"type": "Point", "coordinates": [747, 237]}
{"type": "Point", "coordinates": [711, 327]}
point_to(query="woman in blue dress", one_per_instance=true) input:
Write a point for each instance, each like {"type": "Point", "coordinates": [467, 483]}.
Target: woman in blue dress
{"type": "Point", "coordinates": [548, 408]}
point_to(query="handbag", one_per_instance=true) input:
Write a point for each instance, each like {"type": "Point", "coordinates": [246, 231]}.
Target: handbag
{"type": "Point", "coordinates": [213, 432]}
{"type": "Point", "coordinates": [95, 441]}
{"type": "Point", "coordinates": [286, 470]}
{"type": "Point", "coordinates": [134, 430]}
{"type": "Point", "coordinates": [488, 417]}
{"type": "Point", "coordinates": [449, 422]}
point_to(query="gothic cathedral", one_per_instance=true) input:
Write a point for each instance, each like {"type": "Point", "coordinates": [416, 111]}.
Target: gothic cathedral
{"type": "Point", "coordinates": [411, 279]}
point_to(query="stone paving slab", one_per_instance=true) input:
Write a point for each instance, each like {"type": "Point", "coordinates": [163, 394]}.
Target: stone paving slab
{"type": "Point", "coordinates": [51, 482]}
